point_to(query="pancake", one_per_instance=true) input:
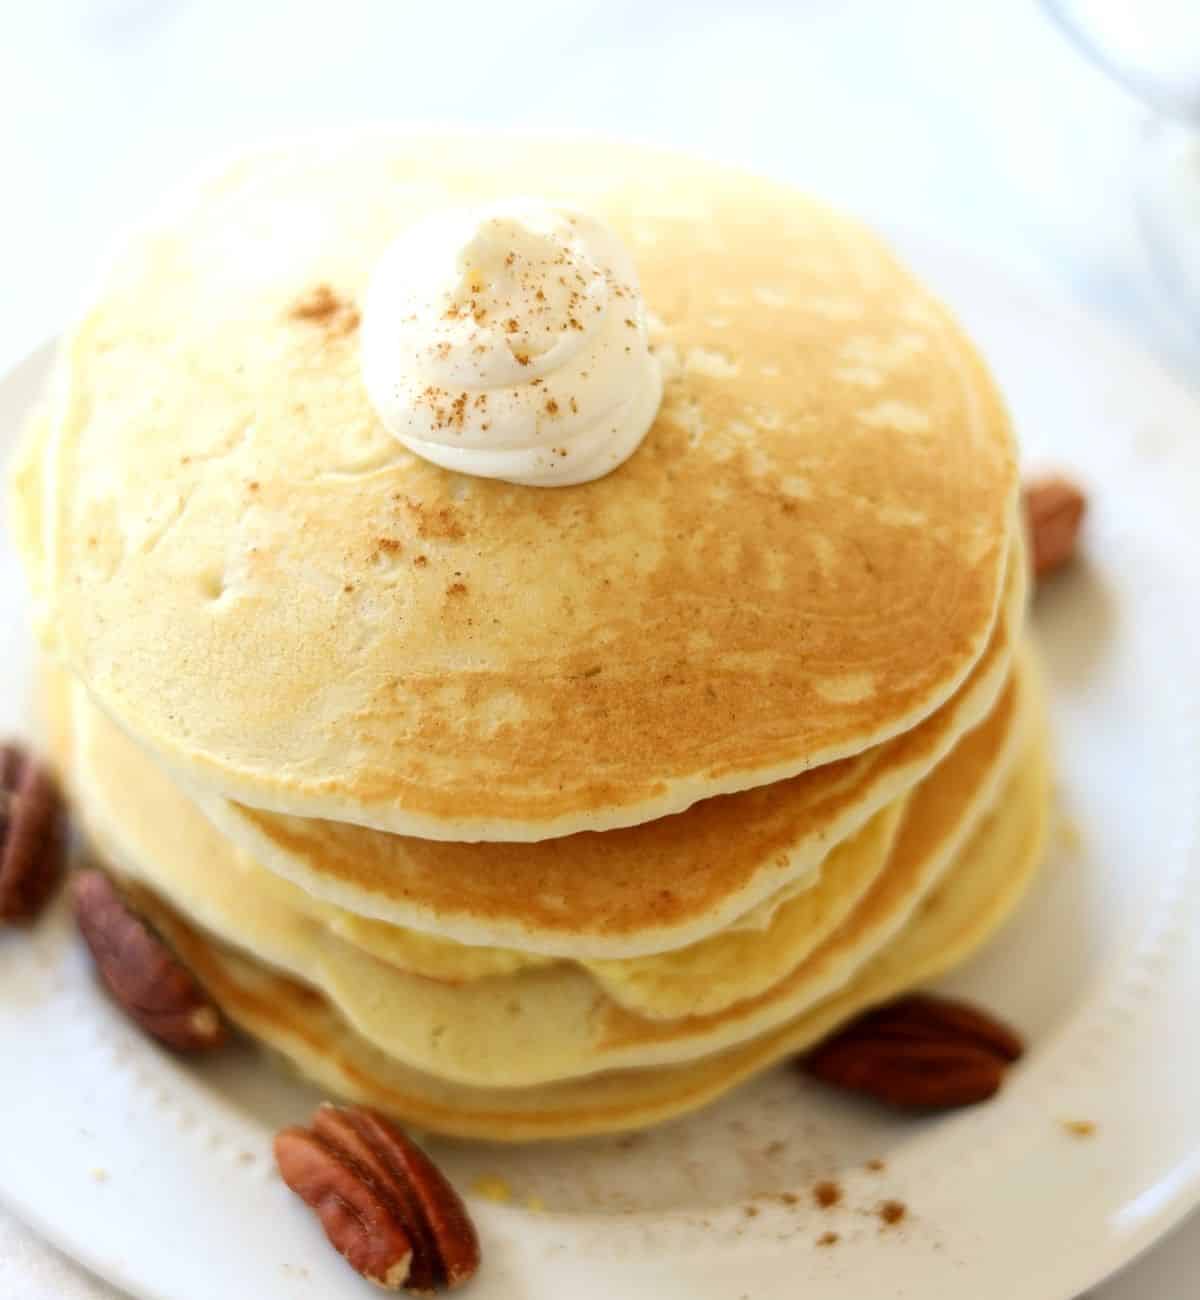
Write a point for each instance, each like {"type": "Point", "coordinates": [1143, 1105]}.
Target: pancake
{"type": "Point", "coordinates": [978, 893]}
{"type": "Point", "coordinates": [555, 1023]}
{"type": "Point", "coordinates": [756, 952]}
{"type": "Point", "coordinates": [290, 610]}
{"type": "Point", "coordinates": [705, 976]}
{"type": "Point", "coordinates": [121, 788]}
{"type": "Point", "coordinates": [649, 984]}
{"type": "Point", "coordinates": [630, 892]}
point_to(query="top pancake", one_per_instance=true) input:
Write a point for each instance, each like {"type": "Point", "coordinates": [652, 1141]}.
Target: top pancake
{"type": "Point", "coordinates": [803, 559]}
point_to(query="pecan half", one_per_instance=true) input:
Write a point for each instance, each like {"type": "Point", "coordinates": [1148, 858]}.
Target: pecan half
{"type": "Point", "coordinates": [920, 1052]}
{"type": "Point", "coordinates": [383, 1203]}
{"type": "Point", "coordinates": [33, 834]}
{"type": "Point", "coordinates": [144, 976]}
{"type": "Point", "coordinates": [1054, 510]}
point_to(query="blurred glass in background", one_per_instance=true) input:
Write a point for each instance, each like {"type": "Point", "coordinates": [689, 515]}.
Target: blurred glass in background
{"type": "Point", "coordinates": [1152, 47]}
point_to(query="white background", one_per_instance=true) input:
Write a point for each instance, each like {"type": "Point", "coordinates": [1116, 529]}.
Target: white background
{"type": "Point", "coordinates": [969, 119]}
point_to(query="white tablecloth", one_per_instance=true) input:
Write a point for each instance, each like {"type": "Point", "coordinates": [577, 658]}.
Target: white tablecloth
{"type": "Point", "coordinates": [975, 121]}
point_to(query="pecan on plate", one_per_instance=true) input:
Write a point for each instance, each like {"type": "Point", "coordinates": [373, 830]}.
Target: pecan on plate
{"type": "Point", "coordinates": [1054, 510]}
{"type": "Point", "coordinates": [33, 834]}
{"type": "Point", "coordinates": [383, 1203]}
{"type": "Point", "coordinates": [920, 1052]}
{"type": "Point", "coordinates": [145, 978]}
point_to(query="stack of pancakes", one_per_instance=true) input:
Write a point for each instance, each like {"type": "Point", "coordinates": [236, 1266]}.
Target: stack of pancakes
{"type": "Point", "coordinates": [524, 812]}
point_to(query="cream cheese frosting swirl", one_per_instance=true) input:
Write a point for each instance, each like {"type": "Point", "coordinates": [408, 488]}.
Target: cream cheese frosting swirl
{"type": "Point", "coordinates": [510, 342]}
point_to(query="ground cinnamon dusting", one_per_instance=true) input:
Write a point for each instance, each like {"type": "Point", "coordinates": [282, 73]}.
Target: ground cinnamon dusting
{"type": "Point", "coordinates": [827, 1195]}
{"type": "Point", "coordinates": [316, 304]}
{"type": "Point", "coordinates": [891, 1213]}
{"type": "Point", "coordinates": [876, 1166]}
{"type": "Point", "coordinates": [433, 521]}
{"type": "Point", "coordinates": [324, 307]}
{"type": "Point", "coordinates": [1080, 1128]}
{"type": "Point", "coordinates": [828, 1239]}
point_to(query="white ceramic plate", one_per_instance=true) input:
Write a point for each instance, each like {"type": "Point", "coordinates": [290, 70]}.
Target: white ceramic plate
{"type": "Point", "coordinates": [158, 1175]}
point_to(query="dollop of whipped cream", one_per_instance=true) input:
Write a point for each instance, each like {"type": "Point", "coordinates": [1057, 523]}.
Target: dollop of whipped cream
{"type": "Point", "coordinates": [509, 342]}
